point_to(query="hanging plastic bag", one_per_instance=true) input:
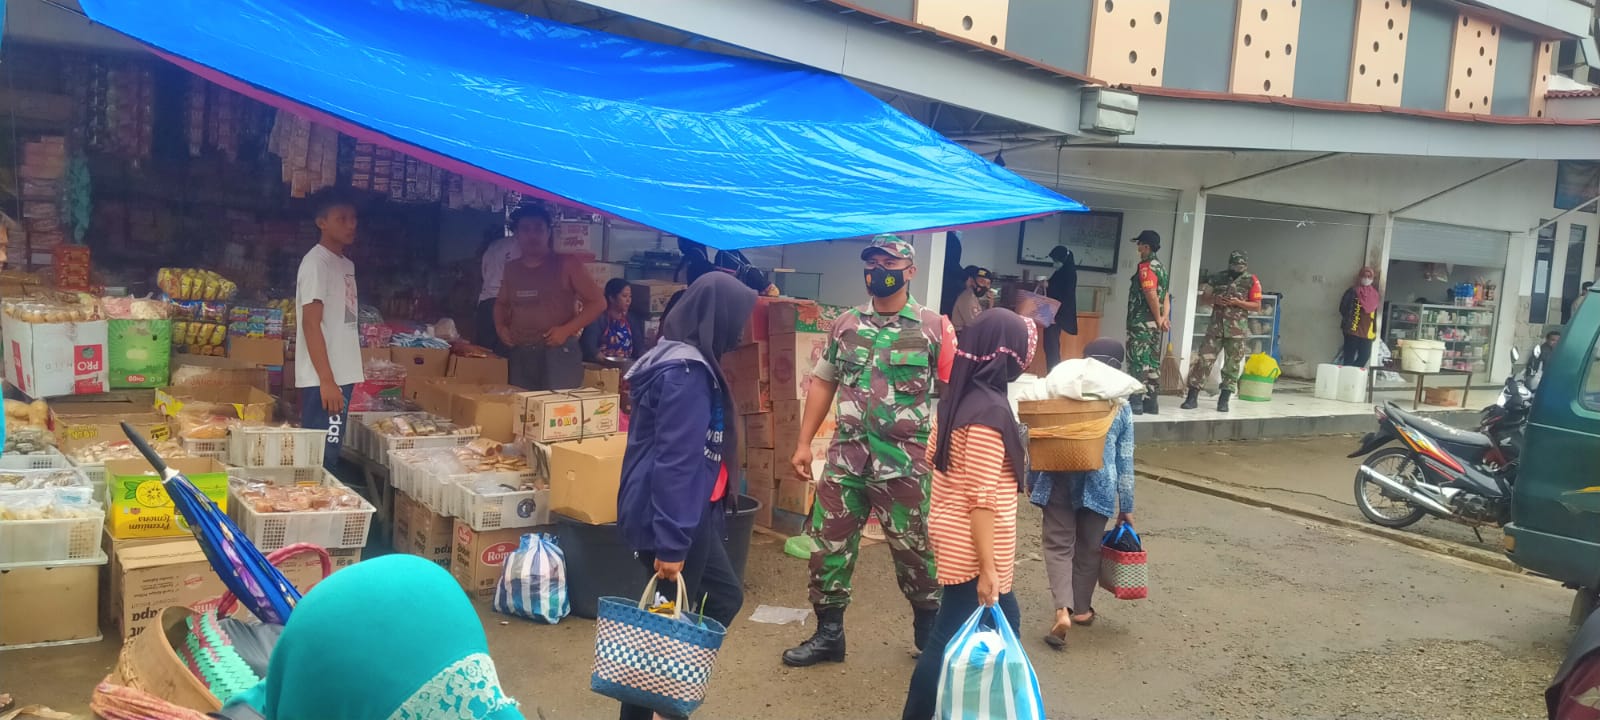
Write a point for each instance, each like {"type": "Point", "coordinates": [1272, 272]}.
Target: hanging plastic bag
{"type": "Point", "coordinates": [533, 584]}
{"type": "Point", "coordinates": [1261, 365]}
{"type": "Point", "coordinates": [986, 674]}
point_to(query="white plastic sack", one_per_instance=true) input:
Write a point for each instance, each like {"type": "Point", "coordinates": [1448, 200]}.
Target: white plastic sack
{"type": "Point", "coordinates": [986, 674]}
{"type": "Point", "coordinates": [533, 583]}
{"type": "Point", "coordinates": [1090, 379]}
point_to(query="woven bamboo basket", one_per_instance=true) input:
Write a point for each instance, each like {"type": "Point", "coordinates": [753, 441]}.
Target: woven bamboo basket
{"type": "Point", "coordinates": [149, 664]}
{"type": "Point", "coordinates": [1070, 435]}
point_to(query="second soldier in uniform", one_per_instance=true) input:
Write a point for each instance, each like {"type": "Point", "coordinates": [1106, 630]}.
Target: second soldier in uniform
{"type": "Point", "coordinates": [881, 362]}
{"type": "Point", "coordinates": [1233, 295]}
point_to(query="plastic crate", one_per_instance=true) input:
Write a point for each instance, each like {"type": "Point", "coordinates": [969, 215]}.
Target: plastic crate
{"type": "Point", "coordinates": [330, 529]}
{"type": "Point", "coordinates": [501, 510]}
{"type": "Point", "coordinates": [216, 449]}
{"type": "Point", "coordinates": [83, 480]}
{"type": "Point", "coordinates": [361, 435]}
{"type": "Point", "coordinates": [38, 541]}
{"type": "Point", "coordinates": [280, 475]}
{"type": "Point", "coordinates": [387, 444]}
{"type": "Point", "coordinates": [276, 447]}
{"type": "Point", "coordinates": [49, 460]}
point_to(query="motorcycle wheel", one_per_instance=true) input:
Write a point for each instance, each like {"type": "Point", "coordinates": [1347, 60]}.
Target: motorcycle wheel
{"type": "Point", "coordinates": [1378, 504]}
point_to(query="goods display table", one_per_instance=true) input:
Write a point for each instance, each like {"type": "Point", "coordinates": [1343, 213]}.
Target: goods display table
{"type": "Point", "coordinates": [1421, 378]}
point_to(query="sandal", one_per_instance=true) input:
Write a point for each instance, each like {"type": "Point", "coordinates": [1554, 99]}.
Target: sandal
{"type": "Point", "coordinates": [1086, 622]}
{"type": "Point", "coordinates": [1057, 637]}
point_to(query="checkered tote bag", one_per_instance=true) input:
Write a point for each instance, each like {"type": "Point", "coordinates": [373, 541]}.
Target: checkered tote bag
{"type": "Point", "coordinates": [1123, 570]}
{"type": "Point", "coordinates": [662, 662]}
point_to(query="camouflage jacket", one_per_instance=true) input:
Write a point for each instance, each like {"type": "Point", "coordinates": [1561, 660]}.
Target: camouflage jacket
{"type": "Point", "coordinates": [1150, 275]}
{"type": "Point", "coordinates": [885, 367]}
{"type": "Point", "coordinates": [1244, 287]}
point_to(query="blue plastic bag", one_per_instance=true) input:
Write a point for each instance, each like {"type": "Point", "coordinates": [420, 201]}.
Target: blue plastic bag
{"type": "Point", "coordinates": [986, 674]}
{"type": "Point", "coordinates": [533, 584]}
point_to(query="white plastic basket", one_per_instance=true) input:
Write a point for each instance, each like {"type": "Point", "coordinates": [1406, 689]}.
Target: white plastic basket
{"type": "Point", "coordinates": [387, 444]}
{"type": "Point", "coordinates": [96, 474]}
{"type": "Point", "coordinates": [83, 480]}
{"type": "Point", "coordinates": [330, 529]}
{"type": "Point", "coordinates": [35, 541]}
{"type": "Point", "coordinates": [280, 475]}
{"type": "Point", "coordinates": [276, 447]}
{"type": "Point", "coordinates": [211, 448]}
{"type": "Point", "coordinates": [361, 435]}
{"type": "Point", "coordinates": [49, 460]}
{"type": "Point", "coordinates": [509, 509]}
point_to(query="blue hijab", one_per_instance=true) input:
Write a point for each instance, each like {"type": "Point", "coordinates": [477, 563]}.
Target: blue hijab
{"type": "Point", "coordinates": [393, 638]}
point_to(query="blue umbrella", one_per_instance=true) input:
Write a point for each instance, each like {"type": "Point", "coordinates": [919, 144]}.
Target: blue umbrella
{"type": "Point", "coordinates": [260, 586]}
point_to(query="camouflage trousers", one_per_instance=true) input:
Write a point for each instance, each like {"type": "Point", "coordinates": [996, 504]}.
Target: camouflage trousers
{"type": "Point", "coordinates": [839, 515]}
{"type": "Point", "coordinates": [1232, 348]}
{"type": "Point", "coordinates": [1144, 355]}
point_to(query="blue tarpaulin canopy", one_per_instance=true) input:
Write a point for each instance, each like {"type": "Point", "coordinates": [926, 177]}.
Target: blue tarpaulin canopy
{"type": "Point", "coordinates": [728, 151]}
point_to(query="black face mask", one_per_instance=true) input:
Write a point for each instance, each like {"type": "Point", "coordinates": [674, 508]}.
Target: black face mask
{"type": "Point", "coordinates": [980, 292]}
{"type": "Point", "coordinates": [882, 282]}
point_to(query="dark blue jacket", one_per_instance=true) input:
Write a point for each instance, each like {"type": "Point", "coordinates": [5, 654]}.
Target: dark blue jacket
{"type": "Point", "coordinates": [674, 451]}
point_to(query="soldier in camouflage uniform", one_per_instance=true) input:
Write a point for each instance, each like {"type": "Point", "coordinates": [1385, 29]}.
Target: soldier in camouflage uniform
{"type": "Point", "coordinates": [881, 360]}
{"type": "Point", "coordinates": [1148, 305]}
{"type": "Point", "coordinates": [1233, 295]}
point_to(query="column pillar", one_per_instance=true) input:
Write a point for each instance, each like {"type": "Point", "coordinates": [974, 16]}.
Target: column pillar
{"type": "Point", "coordinates": [1184, 271]}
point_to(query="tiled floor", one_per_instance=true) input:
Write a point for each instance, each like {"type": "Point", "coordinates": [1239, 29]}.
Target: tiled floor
{"type": "Point", "coordinates": [1294, 399]}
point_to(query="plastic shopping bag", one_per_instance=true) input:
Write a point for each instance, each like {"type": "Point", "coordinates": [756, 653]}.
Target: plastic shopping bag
{"type": "Point", "coordinates": [1123, 569]}
{"type": "Point", "coordinates": [533, 584]}
{"type": "Point", "coordinates": [1261, 365]}
{"type": "Point", "coordinates": [986, 674]}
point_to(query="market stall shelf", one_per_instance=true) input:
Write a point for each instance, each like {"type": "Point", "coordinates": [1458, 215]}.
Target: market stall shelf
{"type": "Point", "coordinates": [1467, 332]}
{"type": "Point", "coordinates": [1420, 378]}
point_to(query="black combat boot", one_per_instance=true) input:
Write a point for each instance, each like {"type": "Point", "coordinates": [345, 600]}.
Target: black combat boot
{"type": "Point", "coordinates": [1222, 400]}
{"type": "Point", "coordinates": [827, 645]}
{"type": "Point", "coordinates": [922, 626]}
{"type": "Point", "coordinates": [1193, 401]}
{"type": "Point", "coordinates": [1149, 406]}
{"type": "Point", "coordinates": [1137, 403]}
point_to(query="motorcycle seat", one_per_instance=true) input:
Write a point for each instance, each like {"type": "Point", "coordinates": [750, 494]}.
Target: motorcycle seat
{"type": "Point", "coordinates": [1440, 431]}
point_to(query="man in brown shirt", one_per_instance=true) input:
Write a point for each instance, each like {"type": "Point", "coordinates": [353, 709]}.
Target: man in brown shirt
{"type": "Point", "coordinates": [546, 300]}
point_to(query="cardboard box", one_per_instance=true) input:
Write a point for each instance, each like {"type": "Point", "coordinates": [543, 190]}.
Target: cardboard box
{"type": "Point", "coordinates": [651, 296]}
{"type": "Point", "coordinates": [54, 359]}
{"type": "Point", "coordinates": [788, 416]}
{"type": "Point", "coordinates": [149, 577]}
{"type": "Point", "coordinates": [604, 379]}
{"type": "Point", "coordinates": [49, 604]}
{"type": "Point", "coordinates": [1443, 397]}
{"type": "Point", "coordinates": [139, 353]}
{"type": "Point", "coordinates": [400, 522]}
{"type": "Point", "coordinates": [793, 356]}
{"type": "Point", "coordinates": [478, 557]}
{"type": "Point", "coordinates": [257, 352]}
{"type": "Point", "coordinates": [139, 506]}
{"type": "Point", "coordinates": [759, 430]}
{"type": "Point", "coordinates": [495, 415]}
{"type": "Point", "coordinates": [421, 362]}
{"type": "Point", "coordinates": [568, 415]}
{"type": "Point", "coordinates": [77, 426]}
{"type": "Point", "coordinates": [428, 534]}
{"type": "Point", "coordinates": [240, 401]}
{"type": "Point", "coordinates": [486, 370]}
{"type": "Point", "coordinates": [795, 496]}
{"type": "Point", "coordinates": [759, 465]}
{"type": "Point", "coordinates": [787, 317]}
{"type": "Point", "coordinates": [766, 494]}
{"type": "Point", "coordinates": [585, 476]}
{"type": "Point", "coordinates": [204, 370]}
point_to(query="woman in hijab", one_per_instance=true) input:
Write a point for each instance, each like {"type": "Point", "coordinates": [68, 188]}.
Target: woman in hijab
{"type": "Point", "coordinates": [1358, 319]}
{"type": "Point", "coordinates": [1078, 505]}
{"type": "Point", "coordinates": [682, 440]}
{"type": "Point", "coordinates": [392, 637]}
{"type": "Point", "coordinates": [979, 462]}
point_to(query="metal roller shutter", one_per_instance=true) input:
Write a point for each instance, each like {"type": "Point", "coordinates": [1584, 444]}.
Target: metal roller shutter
{"type": "Point", "coordinates": [1435, 242]}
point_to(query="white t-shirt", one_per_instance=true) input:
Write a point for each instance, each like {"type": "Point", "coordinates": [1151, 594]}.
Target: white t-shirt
{"type": "Point", "coordinates": [330, 279]}
{"type": "Point", "coordinates": [500, 253]}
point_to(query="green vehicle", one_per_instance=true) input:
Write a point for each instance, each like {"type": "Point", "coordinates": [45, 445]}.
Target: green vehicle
{"type": "Point", "coordinates": [1555, 504]}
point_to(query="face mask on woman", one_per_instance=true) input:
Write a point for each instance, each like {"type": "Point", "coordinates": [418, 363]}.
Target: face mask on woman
{"type": "Point", "coordinates": [1366, 282]}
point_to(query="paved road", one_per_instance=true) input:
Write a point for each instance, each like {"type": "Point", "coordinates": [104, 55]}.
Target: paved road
{"type": "Point", "coordinates": [1252, 614]}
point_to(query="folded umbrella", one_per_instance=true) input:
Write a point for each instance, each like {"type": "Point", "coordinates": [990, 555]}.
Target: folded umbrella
{"type": "Point", "coordinates": [260, 586]}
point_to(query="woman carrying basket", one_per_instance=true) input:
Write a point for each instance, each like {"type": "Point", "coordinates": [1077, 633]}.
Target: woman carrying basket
{"type": "Point", "coordinates": [1077, 506]}
{"type": "Point", "coordinates": [681, 442]}
{"type": "Point", "coordinates": [978, 460]}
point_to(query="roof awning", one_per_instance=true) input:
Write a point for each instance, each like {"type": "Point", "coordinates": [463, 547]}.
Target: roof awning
{"type": "Point", "coordinates": [727, 151]}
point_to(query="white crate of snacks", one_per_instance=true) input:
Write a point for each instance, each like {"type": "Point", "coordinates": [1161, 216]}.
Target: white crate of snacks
{"type": "Point", "coordinates": [215, 448]}
{"type": "Point", "coordinates": [276, 447]}
{"type": "Point", "coordinates": [50, 459]}
{"type": "Point", "coordinates": [333, 515]}
{"type": "Point", "coordinates": [360, 440]}
{"type": "Point", "coordinates": [416, 431]}
{"type": "Point", "coordinates": [91, 459]}
{"type": "Point", "coordinates": [50, 524]}
{"type": "Point", "coordinates": [487, 509]}
{"type": "Point", "coordinates": [280, 475]}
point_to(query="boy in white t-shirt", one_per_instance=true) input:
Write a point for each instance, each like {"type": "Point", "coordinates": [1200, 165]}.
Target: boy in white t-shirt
{"type": "Point", "coordinates": [327, 351]}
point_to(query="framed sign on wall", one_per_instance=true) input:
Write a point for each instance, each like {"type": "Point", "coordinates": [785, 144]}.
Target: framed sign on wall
{"type": "Point", "coordinates": [1094, 237]}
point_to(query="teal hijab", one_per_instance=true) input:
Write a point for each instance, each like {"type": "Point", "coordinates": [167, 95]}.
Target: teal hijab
{"type": "Point", "coordinates": [393, 638]}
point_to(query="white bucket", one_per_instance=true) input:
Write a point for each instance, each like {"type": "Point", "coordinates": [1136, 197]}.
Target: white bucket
{"type": "Point", "coordinates": [1352, 385]}
{"type": "Point", "coordinates": [1421, 355]}
{"type": "Point", "coordinates": [1327, 386]}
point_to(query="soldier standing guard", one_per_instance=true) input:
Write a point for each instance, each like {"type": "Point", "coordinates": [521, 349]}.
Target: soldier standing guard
{"type": "Point", "coordinates": [881, 361]}
{"type": "Point", "coordinates": [1148, 322]}
{"type": "Point", "coordinates": [1233, 295]}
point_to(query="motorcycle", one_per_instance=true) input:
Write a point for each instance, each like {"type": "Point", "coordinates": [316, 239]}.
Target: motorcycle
{"type": "Point", "coordinates": [1459, 475]}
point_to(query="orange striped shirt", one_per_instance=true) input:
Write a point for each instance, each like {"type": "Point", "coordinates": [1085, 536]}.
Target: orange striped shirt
{"type": "Point", "coordinates": [981, 476]}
